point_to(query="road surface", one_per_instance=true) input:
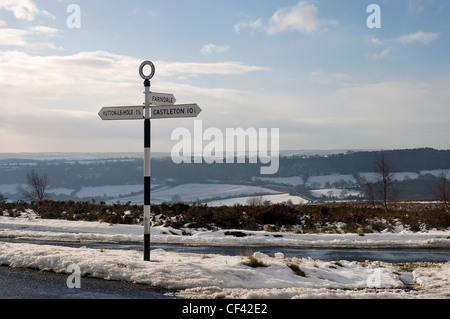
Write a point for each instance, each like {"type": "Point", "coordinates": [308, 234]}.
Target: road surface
{"type": "Point", "coordinates": [20, 283]}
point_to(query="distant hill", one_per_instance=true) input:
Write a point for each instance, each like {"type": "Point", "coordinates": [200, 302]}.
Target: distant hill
{"type": "Point", "coordinates": [70, 172]}
{"type": "Point", "coordinates": [408, 160]}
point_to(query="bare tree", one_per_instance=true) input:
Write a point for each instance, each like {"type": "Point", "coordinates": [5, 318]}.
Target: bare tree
{"type": "Point", "coordinates": [385, 178]}
{"type": "Point", "coordinates": [255, 201]}
{"type": "Point", "coordinates": [37, 186]}
{"type": "Point", "coordinates": [370, 189]}
{"type": "Point", "coordinates": [442, 189]}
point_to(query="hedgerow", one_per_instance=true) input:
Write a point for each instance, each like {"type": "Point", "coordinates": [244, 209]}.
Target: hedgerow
{"type": "Point", "coordinates": [356, 217]}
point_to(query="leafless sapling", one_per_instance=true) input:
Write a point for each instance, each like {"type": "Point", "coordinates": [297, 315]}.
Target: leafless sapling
{"type": "Point", "coordinates": [385, 178]}
{"type": "Point", "coordinates": [37, 186]}
{"type": "Point", "coordinates": [442, 189]}
{"type": "Point", "coordinates": [370, 189]}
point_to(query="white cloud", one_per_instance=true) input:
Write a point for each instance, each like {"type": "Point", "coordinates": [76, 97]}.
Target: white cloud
{"type": "Point", "coordinates": [415, 7]}
{"type": "Point", "coordinates": [65, 93]}
{"type": "Point", "coordinates": [389, 114]}
{"type": "Point", "coordinates": [320, 77]}
{"type": "Point", "coordinates": [44, 30]}
{"type": "Point", "coordinates": [211, 48]}
{"type": "Point", "coordinates": [376, 41]}
{"type": "Point", "coordinates": [2, 23]}
{"type": "Point", "coordinates": [420, 37]}
{"type": "Point", "coordinates": [47, 14]}
{"type": "Point", "coordinates": [392, 102]}
{"type": "Point", "coordinates": [383, 54]}
{"type": "Point", "coordinates": [254, 25]}
{"type": "Point", "coordinates": [30, 38]}
{"type": "Point", "coordinates": [339, 76]}
{"type": "Point", "coordinates": [303, 17]}
{"type": "Point", "coordinates": [93, 66]}
{"type": "Point", "coordinates": [13, 37]}
{"type": "Point", "coordinates": [22, 9]}
{"type": "Point", "coordinates": [222, 68]}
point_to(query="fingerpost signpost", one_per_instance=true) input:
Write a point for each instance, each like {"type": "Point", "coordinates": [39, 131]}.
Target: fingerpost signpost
{"type": "Point", "coordinates": [156, 106]}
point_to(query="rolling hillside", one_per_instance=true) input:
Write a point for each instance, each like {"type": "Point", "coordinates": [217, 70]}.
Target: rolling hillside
{"type": "Point", "coordinates": [331, 176]}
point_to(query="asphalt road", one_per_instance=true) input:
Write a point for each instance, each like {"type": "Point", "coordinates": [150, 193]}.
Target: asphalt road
{"type": "Point", "coordinates": [20, 283]}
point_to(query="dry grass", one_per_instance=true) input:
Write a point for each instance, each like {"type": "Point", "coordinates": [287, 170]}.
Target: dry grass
{"type": "Point", "coordinates": [340, 217]}
{"type": "Point", "coordinates": [253, 262]}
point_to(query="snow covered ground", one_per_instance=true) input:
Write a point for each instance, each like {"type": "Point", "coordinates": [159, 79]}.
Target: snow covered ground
{"type": "Point", "coordinates": [274, 199]}
{"type": "Point", "coordinates": [194, 192]}
{"type": "Point", "coordinates": [118, 190]}
{"type": "Point", "coordinates": [221, 276]}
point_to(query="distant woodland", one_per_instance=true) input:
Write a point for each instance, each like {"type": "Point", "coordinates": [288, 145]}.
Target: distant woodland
{"type": "Point", "coordinates": [76, 174]}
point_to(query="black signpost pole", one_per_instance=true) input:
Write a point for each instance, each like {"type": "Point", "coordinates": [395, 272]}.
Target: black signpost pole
{"type": "Point", "coordinates": [147, 145]}
{"type": "Point", "coordinates": [163, 103]}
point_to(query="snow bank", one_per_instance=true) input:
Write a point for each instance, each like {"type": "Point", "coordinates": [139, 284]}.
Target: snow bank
{"type": "Point", "coordinates": [48, 229]}
{"type": "Point", "coordinates": [219, 276]}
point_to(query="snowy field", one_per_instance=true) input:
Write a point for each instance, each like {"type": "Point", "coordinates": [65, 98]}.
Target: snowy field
{"type": "Point", "coordinates": [195, 192]}
{"type": "Point", "coordinates": [274, 199]}
{"type": "Point", "coordinates": [220, 276]}
{"type": "Point", "coordinates": [89, 192]}
{"type": "Point", "coordinates": [215, 193]}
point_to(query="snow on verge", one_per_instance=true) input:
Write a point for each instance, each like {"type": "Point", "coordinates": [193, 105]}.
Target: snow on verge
{"type": "Point", "coordinates": [47, 229]}
{"type": "Point", "coordinates": [218, 276]}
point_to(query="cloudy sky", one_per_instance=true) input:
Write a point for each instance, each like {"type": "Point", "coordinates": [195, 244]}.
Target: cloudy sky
{"type": "Point", "coordinates": [313, 69]}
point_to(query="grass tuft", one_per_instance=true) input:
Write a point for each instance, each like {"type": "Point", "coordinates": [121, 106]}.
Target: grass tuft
{"type": "Point", "coordinates": [296, 269]}
{"type": "Point", "coordinates": [254, 262]}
